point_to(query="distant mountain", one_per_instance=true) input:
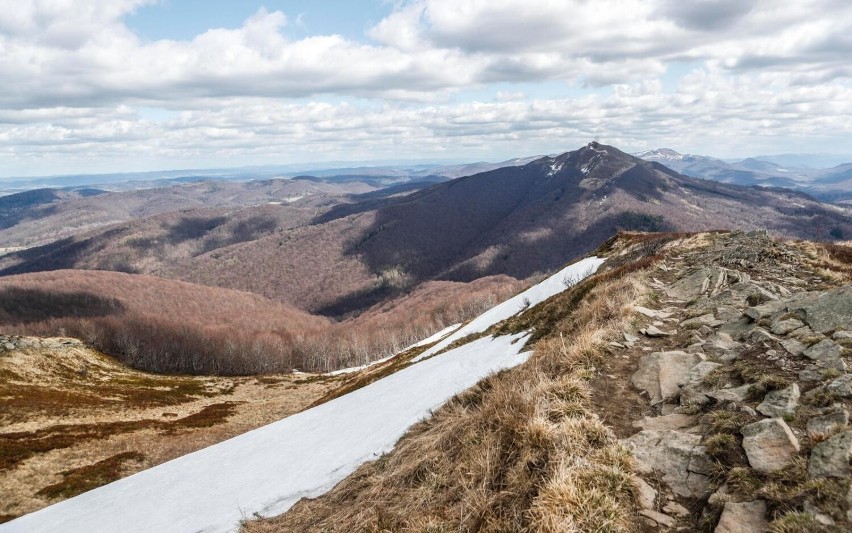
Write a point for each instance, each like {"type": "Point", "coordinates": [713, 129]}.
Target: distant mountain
{"type": "Point", "coordinates": [517, 221]}
{"type": "Point", "coordinates": [811, 161]}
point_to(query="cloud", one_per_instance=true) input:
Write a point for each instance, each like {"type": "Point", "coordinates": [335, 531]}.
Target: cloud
{"type": "Point", "coordinates": [72, 76]}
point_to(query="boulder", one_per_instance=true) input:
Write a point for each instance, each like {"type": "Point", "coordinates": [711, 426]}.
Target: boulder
{"type": "Point", "coordinates": [661, 374]}
{"type": "Point", "coordinates": [826, 423]}
{"type": "Point", "coordinates": [830, 458]}
{"type": "Point", "coordinates": [783, 327]}
{"type": "Point", "coordinates": [745, 517]}
{"type": "Point", "coordinates": [765, 310]}
{"type": "Point", "coordinates": [734, 394]}
{"type": "Point", "coordinates": [703, 320]}
{"type": "Point", "coordinates": [769, 444]}
{"type": "Point", "coordinates": [661, 423]}
{"type": "Point", "coordinates": [793, 346]}
{"type": "Point", "coordinates": [827, 311]}
{"type": "Point", "coordinates": [660, 518]}
{"type": "Point", "coordinates": [654, 331]}
{"type": "Point", "coordinates": [782, 402]}
{"type": "Point", "coordinates": [824, 349]}
{"type": "Point", "coordinates": [677, 455]}
{"type": "Point", "coordinates": [722, 345]}
{"type": "Point", "coordinates": [646, 494]}
{"type": "Point", "coordinates": [841, 387]}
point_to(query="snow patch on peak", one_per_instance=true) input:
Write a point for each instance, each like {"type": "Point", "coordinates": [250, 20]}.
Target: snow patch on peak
{"type": "Point", "coordinates": [660, 154]}
{"type": "Point", "coordinates": [554, 168]}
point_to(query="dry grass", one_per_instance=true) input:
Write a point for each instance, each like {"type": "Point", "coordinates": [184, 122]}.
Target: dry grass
{"type": "Point", "coordinates": [64, 431]}
{"type": "Point", "coordinates": [522, 450]}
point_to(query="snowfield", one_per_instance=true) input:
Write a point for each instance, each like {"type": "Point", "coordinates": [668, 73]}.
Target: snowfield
{"type": "Point", "coordinates": [265, 471]}
{"type": "Point", "coordinates": [533, 296]}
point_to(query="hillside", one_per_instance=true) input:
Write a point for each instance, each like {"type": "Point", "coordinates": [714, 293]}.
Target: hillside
{"type": "Point", "coordinates": [696, 382]}
{"type": "Point", "coordinates": [517, 221]}
{"type": "Point", "coordinates": [156, 324]}
{"type": "Point", "coordinates": [73, 419]}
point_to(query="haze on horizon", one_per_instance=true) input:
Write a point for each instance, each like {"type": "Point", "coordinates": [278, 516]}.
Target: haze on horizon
{"type": "Point", "coordinates": [134, 85]}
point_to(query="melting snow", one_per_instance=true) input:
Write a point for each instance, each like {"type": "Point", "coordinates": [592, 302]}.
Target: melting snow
{"type": "Point", "coordinates": [554, 168]}
{"type": "Point", "coordinates": [534, 295]}
{"type": "Point", "coordinates": [269, 469]}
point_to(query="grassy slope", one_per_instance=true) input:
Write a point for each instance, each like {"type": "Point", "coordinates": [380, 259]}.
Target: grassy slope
{"type": "Point", "coordinates": [72, 419]}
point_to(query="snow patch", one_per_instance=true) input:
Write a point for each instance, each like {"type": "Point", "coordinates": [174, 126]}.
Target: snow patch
{"type": "Point", "coordinates": [536, 294]}
{"type": "Point", "coordinates": [267, 470]}
{"type": "Point", "coordinates": [554, 168]}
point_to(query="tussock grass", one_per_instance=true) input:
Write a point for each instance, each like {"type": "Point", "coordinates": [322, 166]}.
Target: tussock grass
{"type": "Point", "coordinates": [522, 450]}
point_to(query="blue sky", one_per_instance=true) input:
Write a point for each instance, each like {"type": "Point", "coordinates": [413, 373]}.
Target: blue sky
{"type": "Point", "coordinates": [134, 85]}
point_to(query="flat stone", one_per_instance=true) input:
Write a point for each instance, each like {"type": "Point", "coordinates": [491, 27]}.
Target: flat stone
{"type": "Point", "coordinates": [661, 374]}
{"type": "Point", "coordinates": [650, 313]}
{"type": "Point", "coordinates": [830, 458]}
{"type": "Point", "coordinates": [646, 493]}
{"type": "Point", "coordinates": [661, 423]}
{"type": "Point", "coordinates": [746, 517]}
{"type": "Point", "coordinates": [793, 346]}
{"type": "Point", "coordinates": [769, 444]}
{"type": "Point", "coordinates": [801, 333]}
{"type": "Point", "coordinates": [840, 335]}
{"type": "Point", "coordinates": [841, 386]}
{"type": "Point", "coordinates": [765, 310]}
{"type": "Point", "coordinates": [824, 349]}
{"type": "Point", "coordinates": [782, 402]}
{"type": "Point", "coordinates": [703, 320]}
{"type": "Point", "coordinates": [676, 509]}
{"type": "Point", "coordinates": [783, 327]}
{"type": "Point", "coordinates": [818, 515]}
{"type": "Point", "coordinates": [811, 373]}
{"type": "Point", "coordinates": [677, 455]}
{"type": "Point", "coordinates": [691, 396]}
{"type": "Point", "coordinates": [630, 338]}
{"type": "Point", "coordinates": [654, 331]}
{"type": "Point", "coordinates": [659, 518]}
{"type": "Point", "coordinates": [826, 423]}
{"type": "Point", "coordinates": [701, 371]}
{"type": "Point", "coordinates": [734, 394]}
{"type": "Point", "coordinates": [761, 335]}
{"type": "Point", "coordinates": [721, 344]}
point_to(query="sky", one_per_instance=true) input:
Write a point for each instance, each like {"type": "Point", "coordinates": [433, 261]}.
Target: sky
{"type": "Point", "coordinates": [92, 86]}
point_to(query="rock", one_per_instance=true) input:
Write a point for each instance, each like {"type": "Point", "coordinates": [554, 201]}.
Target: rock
{"type": "Point", "coordinates": [697, 283]}
{"type": "Point", "coordinates": [734, 394]}
{"type": "Point", "coordinates": [761, 335]}
{"type": "Point", "coordinates": [783, 327]}
{"type": "Point", "coordinates": [677, 455]}
{"type": "Point", "coordinates": [793, 346]}
{"type": "Point", "coordinates": [721, 344]}
{"type": "Point", "coordinates": [9, 346]}
{"type": "Point", "coordinates": [824, 349]}
{"type": "Point", "coordinates": [810, 373]}
{"type": "Point", "coordinates": [654, 331]}
{"type": "Point", "coordinates": [826, 311]}
{"type": "Point", "coordinates": [695, 348]}
{"type": "Point", "coordinates": [830, 458]}
{"type": "Point", "coordinates": [703, 320]}
{"type": "Point", "coordinates": [824, 424]}
{"type": "Point", "coordinates": [721, 495]}
{"type": "Point", "coordinates": [661, 374]}
{"type": "Point", "coordinates": [728, 313]}
{"type": "Point", "coordinates": [802, 333]}
{"type": "Point", "coordinates": [614, 344]}
{"type": "Point", "coordinates": [765, 310]}
{"type": "Point", "coordinates": [840, 335]}
{"type": "Point", "coordinates": [701, 371]}
{"type": "Point", "coordinates": [746, 517]}
{"type": "Point", "coordinates": [676, 509]}
{"type": "Point", "coordinates": [650, 313]}
{"type": "Point", "coordinates": [841, 387]}
{"type": "Point", "coordinates": [659, 518]}
{"type": "Point", "coordinates": [661, 423]}
{"type": "Point", "coordinates": [818, 515]}
{"type": "Point", "coordinates": [782, 402]}
{"type": "Point", "coordinates": [691, 396]}
{"type": "Point", "coordinates": [769, 444]}
{"type": "Point", "coordinates": [630, 339]}
{"type": "Point", "coordinates": [748, 410]}
{"type": "Point", "coordinates": [647, 496]}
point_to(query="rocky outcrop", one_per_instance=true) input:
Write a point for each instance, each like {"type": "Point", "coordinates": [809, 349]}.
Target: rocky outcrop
{"type": "Point", "coordinates": [661, 374]}
{"type": "Point", "coordinates": [678, 456]}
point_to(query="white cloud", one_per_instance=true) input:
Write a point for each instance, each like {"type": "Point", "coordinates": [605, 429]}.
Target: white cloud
{"type": "Point", "coordinates": [72, 76]}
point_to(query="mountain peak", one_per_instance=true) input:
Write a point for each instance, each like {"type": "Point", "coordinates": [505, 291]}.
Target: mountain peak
{"type": "Point", "coordinates": [660, 154]}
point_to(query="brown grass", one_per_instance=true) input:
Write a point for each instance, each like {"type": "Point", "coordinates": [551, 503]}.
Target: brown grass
{"type": "Point", "coordinates": [520, 451]}
{"type": "Point", "coordinates": [79, 480]}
